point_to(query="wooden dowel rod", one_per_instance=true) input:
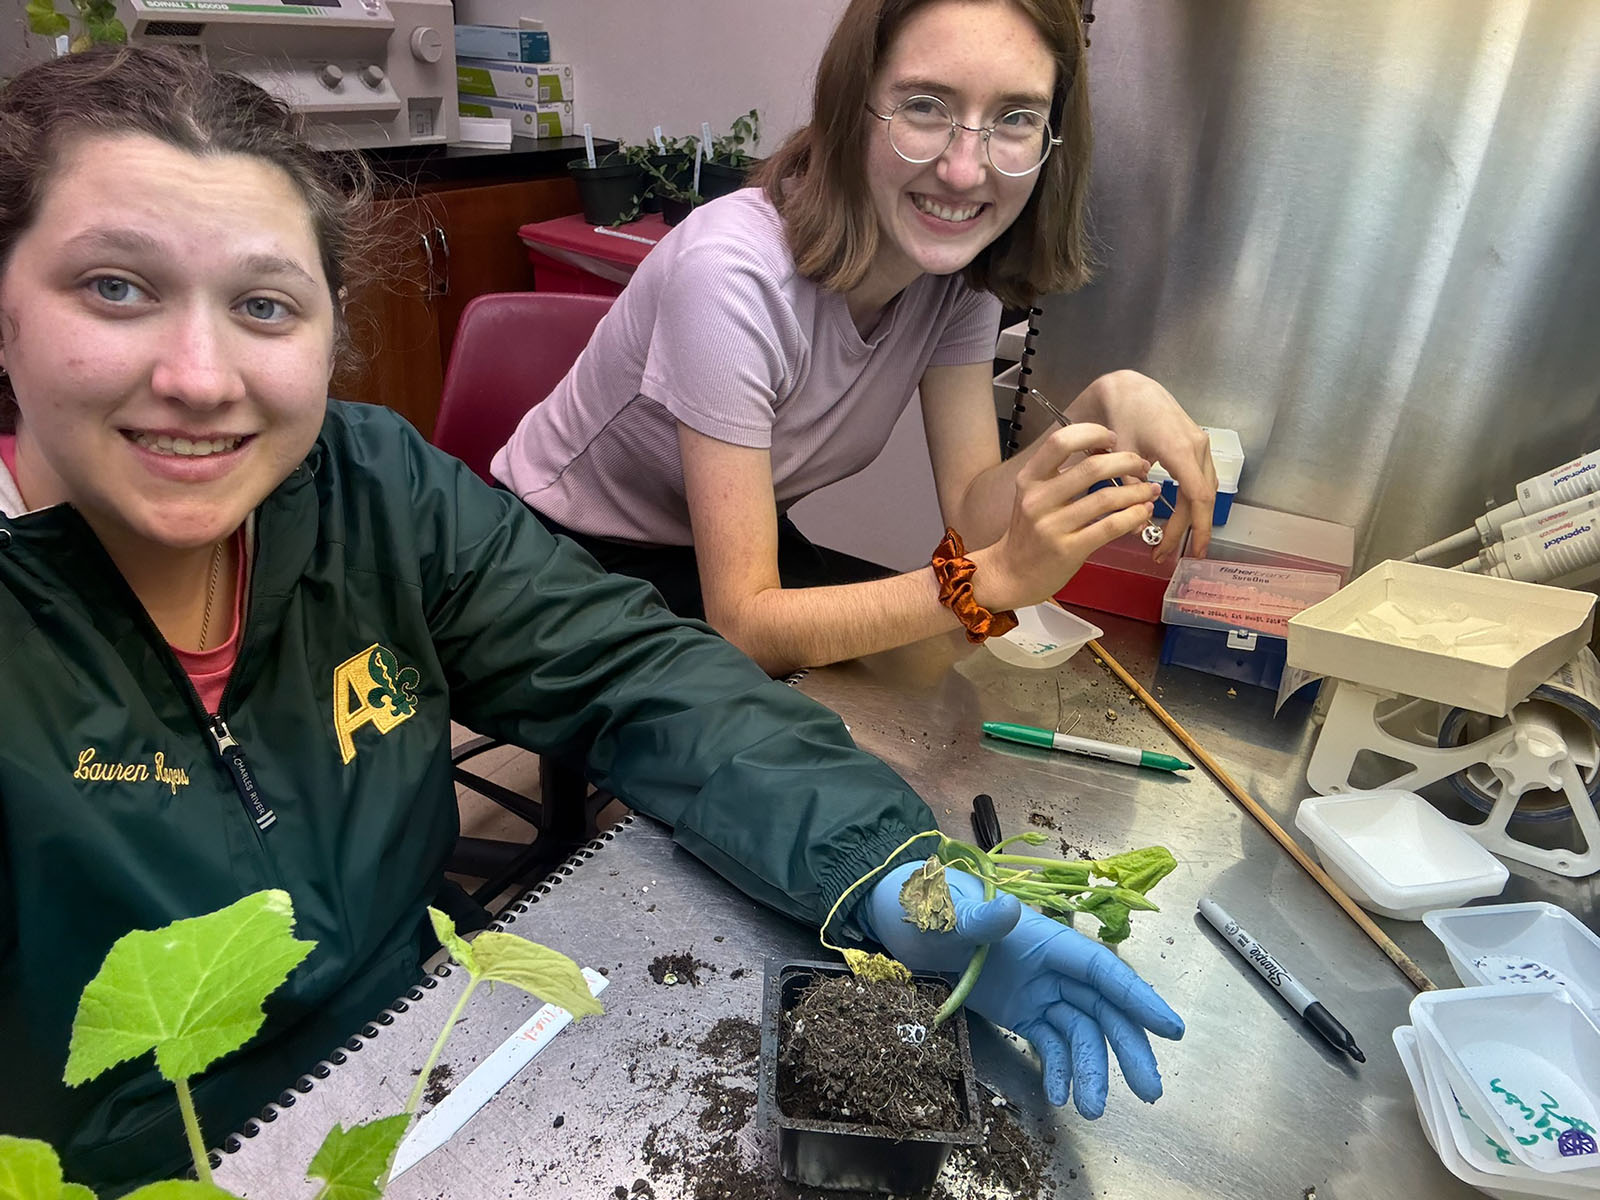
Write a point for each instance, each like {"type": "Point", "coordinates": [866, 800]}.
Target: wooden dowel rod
{"type": "Point", "coordinates": [1397, 956]}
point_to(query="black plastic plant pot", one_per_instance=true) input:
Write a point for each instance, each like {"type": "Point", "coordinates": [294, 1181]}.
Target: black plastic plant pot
{"type": "Point", "coordinates": [673, 211]}
{"type": "Point", "coordinates": [844, 1155]}
{"type": "Point", "coordinates": [607, 192]}
{"type": "Point", "coordinates": [719, 179]}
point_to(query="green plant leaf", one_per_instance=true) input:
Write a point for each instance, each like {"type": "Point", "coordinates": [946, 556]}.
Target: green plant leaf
{"type": "Point", "coordinates": [30, 1170]}
{"type": "Point", "coordinates": [352, 1161]}
{"type": "Point", "coordinates": [1137, 871]}
{"type": "Point", "coordinates": [44, 19]}
{"type": "Point", "coordinates": [180, 1189]}
{"type": "Point", "coordinates": [109, 31]}
{"type": "Point", "coordinates": [548, 974]}
{"type": "Point", "coordinates": [1140, 869]}
{"type": "Point", "coordinates": [445, 930]}
{"type": "Point", "coordinates": [191, 991]}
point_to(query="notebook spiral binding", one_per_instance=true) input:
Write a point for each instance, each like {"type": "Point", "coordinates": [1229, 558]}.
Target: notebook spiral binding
{"type": "Point", "coordinates": [417, 994]}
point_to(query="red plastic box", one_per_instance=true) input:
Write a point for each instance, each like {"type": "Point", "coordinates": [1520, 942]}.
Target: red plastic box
{"type": "Point", "coordinates": [570, 255]}
{"type": "Point", "coordinates": [1121, 577]}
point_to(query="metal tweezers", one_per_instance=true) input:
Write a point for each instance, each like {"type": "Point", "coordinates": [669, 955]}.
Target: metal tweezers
{"type": "Point", "coordinates": [1151, 533]}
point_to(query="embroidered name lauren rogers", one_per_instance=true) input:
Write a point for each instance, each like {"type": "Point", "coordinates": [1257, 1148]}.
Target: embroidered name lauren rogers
{"type": "Point", "coordinates": [130, 772]}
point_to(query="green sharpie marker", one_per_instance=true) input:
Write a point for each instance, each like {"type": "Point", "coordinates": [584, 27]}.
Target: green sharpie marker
{"type": "Point", "coordinates": [1027, 735]}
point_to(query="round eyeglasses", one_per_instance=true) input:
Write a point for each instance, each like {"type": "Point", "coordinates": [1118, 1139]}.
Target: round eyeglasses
{"type": "Point", "coordinates": [921, 129]}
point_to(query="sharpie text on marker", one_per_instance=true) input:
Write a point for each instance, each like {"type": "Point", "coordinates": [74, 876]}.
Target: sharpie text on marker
{"type": "Point", "coordinates": [1286, 985]}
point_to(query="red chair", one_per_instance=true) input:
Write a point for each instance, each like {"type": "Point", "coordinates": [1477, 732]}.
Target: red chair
{"type": "Point", "coordinates": [511, 350]}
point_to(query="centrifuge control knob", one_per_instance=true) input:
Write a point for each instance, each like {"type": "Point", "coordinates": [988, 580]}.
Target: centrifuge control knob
{"type": "Point", "coordinates": [372, 75]}
{"type": "Point", "coordinates": [330, 74]}
{"type": "Point", "coordinates": [427, 44]}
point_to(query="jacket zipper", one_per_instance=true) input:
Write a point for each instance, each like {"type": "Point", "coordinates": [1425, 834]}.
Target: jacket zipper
{"type": "Point", "coordinates": [244, 782]}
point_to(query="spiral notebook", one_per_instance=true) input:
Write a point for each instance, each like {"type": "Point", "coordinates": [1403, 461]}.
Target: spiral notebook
{"type": "Point", "coordinates": [575, 1116]}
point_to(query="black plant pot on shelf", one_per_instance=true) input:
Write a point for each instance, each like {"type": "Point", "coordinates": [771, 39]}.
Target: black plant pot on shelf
{"type": "Point", "coordinates": [719, 179]}
{"type": "Point", "coordinates": [607, 191]}
{"type": "Point", "coordinates": [673, 211]}
{"type": "Point", "coordinates": [848, 1155]}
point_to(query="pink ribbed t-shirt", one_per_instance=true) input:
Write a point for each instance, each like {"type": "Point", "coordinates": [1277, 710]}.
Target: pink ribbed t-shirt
{"type": "Point", "coordinates": [718, 330]}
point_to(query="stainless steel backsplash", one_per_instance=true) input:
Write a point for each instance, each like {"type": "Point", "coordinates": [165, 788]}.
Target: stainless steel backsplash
{"type": "Point", "coordinates": [1365, 234]}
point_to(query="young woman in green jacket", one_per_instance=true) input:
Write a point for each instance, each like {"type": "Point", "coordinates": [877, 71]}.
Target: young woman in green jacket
{"type": "Point", "coordinates": [236, 620]}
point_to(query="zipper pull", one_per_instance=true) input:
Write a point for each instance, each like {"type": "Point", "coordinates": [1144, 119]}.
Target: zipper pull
{"type": "Point", "coordinates": [232, 755]}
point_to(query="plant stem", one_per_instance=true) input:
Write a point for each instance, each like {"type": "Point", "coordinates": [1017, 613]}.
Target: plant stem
{"type": "Point", "coordinates": [191, 1127]}
{"type": "Point", "coordinates": [1025, 860]}
{"type": "Point", "coordinates": [422, 1076]}
{"type": "Point", "coordinates": [438, 1046]}
{"type": "Point", "coordinates": [998, 847]}
{"type": "Point", "coordinates": [969, 977]}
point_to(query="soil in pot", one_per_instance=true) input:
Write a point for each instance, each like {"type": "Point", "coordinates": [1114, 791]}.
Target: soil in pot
{"type": "Point", "coordinates": [864, 1093]}
{"type": "Point", "coordinates": [607, 191]}
{"type": "Point", "coordinates": [867, 1053]}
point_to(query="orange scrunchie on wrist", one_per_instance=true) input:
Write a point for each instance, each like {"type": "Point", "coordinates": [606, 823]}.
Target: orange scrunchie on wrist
{"type": "Point", "coordinates": [954, 571]}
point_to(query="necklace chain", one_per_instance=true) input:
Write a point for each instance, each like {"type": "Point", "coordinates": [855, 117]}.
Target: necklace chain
{"type": "Point", "coordinates": [211, 595]}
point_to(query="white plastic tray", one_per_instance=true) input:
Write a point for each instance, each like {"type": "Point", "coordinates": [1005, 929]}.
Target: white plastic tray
{"type": "Point", "coordinates": [1534, 942]}
{"type": "Point", "coordinates": [1511, 1182]}
{"type": "Point", "coordinates": [1397, 855]}
{"type": "Point", "coordinates": [1524, 1062]}
{"type": "Point", "coordinates": [1046, 634]}
{"type": "Point", "coordinates": [1469, 640]}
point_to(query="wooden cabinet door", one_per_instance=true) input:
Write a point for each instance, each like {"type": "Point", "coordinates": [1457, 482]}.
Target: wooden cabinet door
{"type": "Point", "coordinates": [393, 320]}
{"type": "Point", "coordinates": [478, 230]}
{"type": "Point", "coordinates": [442, 248]}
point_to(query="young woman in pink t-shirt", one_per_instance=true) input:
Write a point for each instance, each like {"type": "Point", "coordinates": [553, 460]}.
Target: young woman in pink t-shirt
{"type": "Point", "coordinates": [754, 356]}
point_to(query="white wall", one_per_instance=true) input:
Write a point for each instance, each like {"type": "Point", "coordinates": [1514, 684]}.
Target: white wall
{"type": "Point", "coordinates": [676, 63]}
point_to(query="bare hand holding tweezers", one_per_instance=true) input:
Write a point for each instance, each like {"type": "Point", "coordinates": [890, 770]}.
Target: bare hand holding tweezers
{"type": "Point", "coordinates": [1151, 533]}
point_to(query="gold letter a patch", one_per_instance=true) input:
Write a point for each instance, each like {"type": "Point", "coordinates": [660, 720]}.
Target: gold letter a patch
{"type": "Point", "coordinates": [371, 688]}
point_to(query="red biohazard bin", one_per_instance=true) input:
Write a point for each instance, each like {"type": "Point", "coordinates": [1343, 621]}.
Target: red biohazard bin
{"type": "Point", "coordinates": [570, 255]}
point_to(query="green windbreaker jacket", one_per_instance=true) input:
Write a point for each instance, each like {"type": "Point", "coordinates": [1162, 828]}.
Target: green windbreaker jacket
{"type": "Point", "coordinates": [390, 591]}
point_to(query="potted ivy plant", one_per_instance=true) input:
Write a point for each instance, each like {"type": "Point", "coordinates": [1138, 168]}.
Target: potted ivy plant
{"type": "Point", "coordinates": [671, 182]}
{"type": "Point", "coordinates": [611, 190]}
{"type": "Point", "coordinates": [730, 157]}
{"type": "Point", "coordinates": [668, 168]}
{"type": "Point", "coordinates": [866, 1071]}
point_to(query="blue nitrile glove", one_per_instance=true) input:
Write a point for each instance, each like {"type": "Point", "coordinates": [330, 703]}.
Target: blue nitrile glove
{"type": "Point", "coordinates": [1067, 994]}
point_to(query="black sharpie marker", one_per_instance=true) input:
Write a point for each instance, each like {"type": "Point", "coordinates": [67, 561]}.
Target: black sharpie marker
{"type": "Point", "coordinates": [1302, 1001]}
